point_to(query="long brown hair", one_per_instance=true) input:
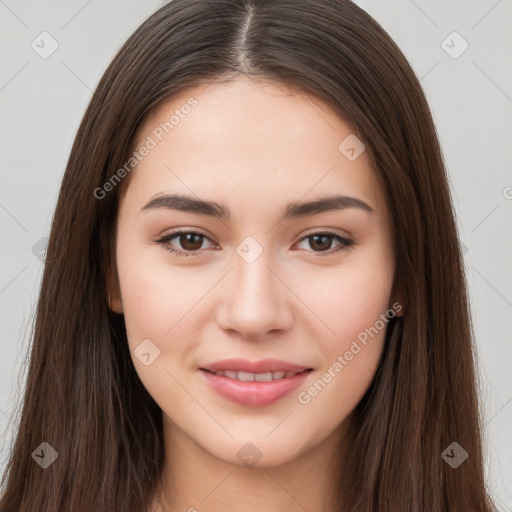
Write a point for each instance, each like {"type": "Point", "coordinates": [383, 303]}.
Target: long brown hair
{"type": "Point", "coordinates": [83, 396]}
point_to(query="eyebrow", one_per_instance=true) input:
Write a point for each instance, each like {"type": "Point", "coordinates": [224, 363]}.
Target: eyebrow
{"type": "Point", "coordinates": [293, 210]}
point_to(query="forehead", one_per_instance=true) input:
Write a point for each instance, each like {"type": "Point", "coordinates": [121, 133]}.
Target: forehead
{"type": "Point", "coordinates": [267, 142]}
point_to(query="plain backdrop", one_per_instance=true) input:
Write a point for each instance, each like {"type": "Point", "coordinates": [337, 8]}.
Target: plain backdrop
{"type": "Point", "coordinates": [459, 51]}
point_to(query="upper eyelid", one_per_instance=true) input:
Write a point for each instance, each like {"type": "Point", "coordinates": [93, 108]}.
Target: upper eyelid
{"type": "Point", "coordinates": [194, 231]}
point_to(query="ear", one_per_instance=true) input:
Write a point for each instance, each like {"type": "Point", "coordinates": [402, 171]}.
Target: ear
{"type": "Point", "coordinates": [113, 291]}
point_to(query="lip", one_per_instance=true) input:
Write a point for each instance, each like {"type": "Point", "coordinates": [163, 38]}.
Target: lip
{"type": "Point", "coordinates": [263, 366]}
{"type": "Point", "coordinates": [254, 393]}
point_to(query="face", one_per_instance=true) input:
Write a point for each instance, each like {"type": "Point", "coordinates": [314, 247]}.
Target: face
{"type": "Point", "coordinates": [308, 286]}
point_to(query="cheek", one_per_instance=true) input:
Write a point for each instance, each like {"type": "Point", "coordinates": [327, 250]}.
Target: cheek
{"type": "Point", "coordinates": [158, 307]}
{"type": "Point", "coordinates": [351, 297]}
{"type": "Point", "coordinates": [150, 299]}
{"type": "Point", "coordinates": [351, 303]}
{"type": "Point", "coordinates": [155, 294]}
{"type": "Point", "coordinates": [144, 302]}
{"type": "Point", "coordinates": [362, 299]}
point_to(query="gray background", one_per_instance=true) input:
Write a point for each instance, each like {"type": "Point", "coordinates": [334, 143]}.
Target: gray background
{"type": "Point", "coordinates": [43, 99]}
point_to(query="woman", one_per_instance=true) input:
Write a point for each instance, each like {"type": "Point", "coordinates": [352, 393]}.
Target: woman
{"type": "Point", "coordinates": [253, 296]}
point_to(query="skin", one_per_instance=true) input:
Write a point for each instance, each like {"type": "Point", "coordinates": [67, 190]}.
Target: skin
{"type": "Point", "coordinates": [254, 148]}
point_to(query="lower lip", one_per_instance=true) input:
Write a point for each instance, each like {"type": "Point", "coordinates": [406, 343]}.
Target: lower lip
{"type": "Point", "coordinates": [254, 394]}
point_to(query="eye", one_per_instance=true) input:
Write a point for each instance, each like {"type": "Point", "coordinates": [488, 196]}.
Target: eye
{"type": "Point", "coordinates": [323, 242]}
{"type": "Point", "coordinates": [191, 242]}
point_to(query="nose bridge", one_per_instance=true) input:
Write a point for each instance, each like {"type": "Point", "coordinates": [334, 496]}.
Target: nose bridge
{"type": "Point", "coordinates": [255, 303]}
{"type": "Point", "coordinates": [254, 281]}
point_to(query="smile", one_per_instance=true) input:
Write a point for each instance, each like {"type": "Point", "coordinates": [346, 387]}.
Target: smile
{"type": "Point", "coordinates": [254, 389]}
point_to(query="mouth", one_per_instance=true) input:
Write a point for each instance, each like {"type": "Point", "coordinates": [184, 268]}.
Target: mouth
{"type": "Point", "coordinates": [254, 389]}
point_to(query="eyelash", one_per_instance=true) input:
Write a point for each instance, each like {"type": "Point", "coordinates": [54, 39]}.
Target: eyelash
{"type": "Point", "coordinates": [345, 243]}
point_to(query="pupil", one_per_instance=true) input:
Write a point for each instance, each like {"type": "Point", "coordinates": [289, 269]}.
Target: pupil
{"type": "Point", "coordinates": [189, 241]}
{"type": "Point", "coordinates": [324, 238]}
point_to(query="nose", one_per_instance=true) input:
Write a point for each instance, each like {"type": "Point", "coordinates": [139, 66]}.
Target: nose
{"type": "Point", "coordinates": [256, 302]}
